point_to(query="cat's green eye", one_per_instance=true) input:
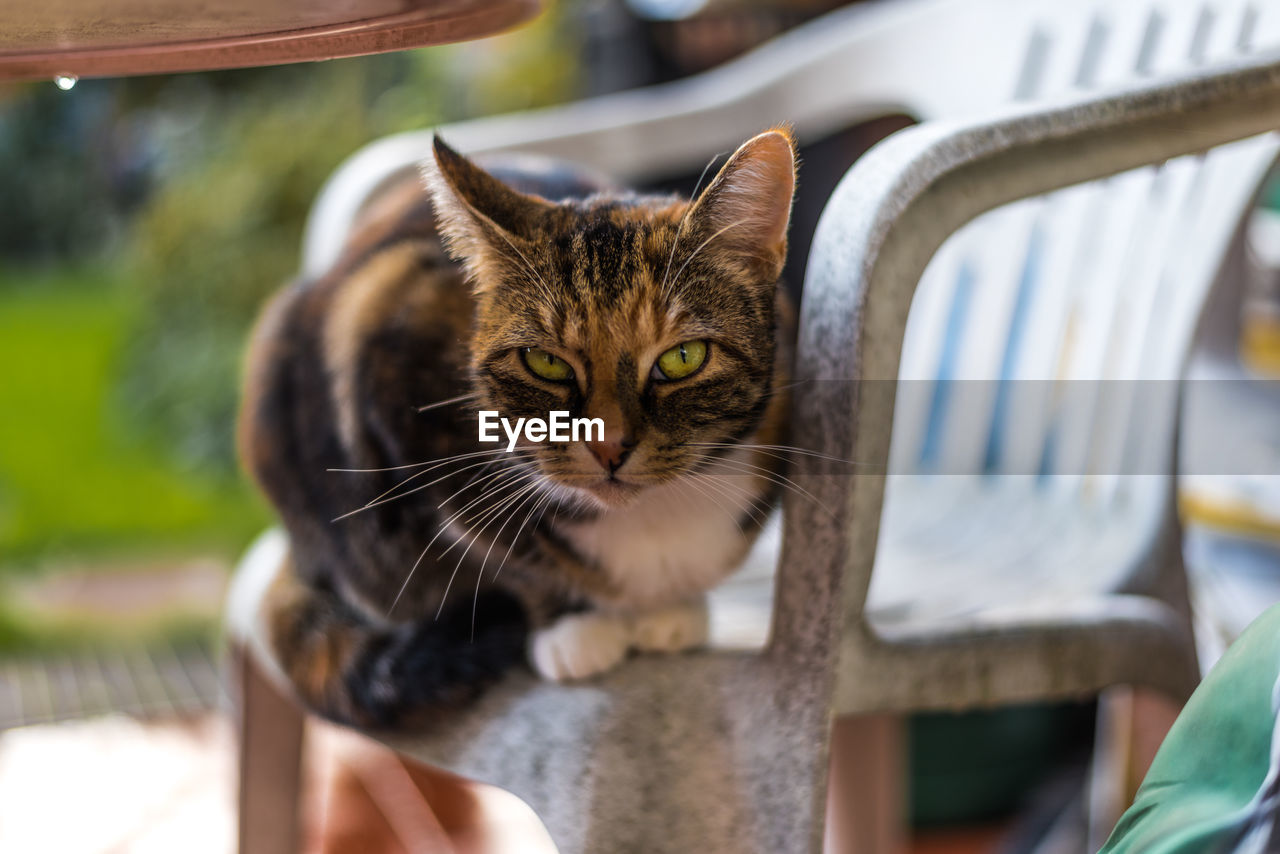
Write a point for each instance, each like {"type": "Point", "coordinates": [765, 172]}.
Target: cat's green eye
{"type": "Point", "coordinates": [546, 365]}
{"type": "Point", "coordinates": [680, 361]}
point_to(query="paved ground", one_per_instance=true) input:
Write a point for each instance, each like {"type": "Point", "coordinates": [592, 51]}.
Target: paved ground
{"type": "Point", "coordinates": [159, 680]}
{"type": "Point", "coordinates": [138, 639]}
{"type": "Point", "coordinates": [118, 785]}
{"type": "Point", "coordinates": [114, 785]}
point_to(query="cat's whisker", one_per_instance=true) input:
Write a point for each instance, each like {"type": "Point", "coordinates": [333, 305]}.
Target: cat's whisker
{"type": "Point", "coordinates": [773, 477]}
{"type": "Point", "coordinates": [740, 498]}
{"type": "Point", "coordinates": [556, 502]}
{"type": "Point", "coordinates": [701, 246]}
{"type": "Point", "coordinates": [419, 561]}
{"type": "Point", "coordinates": [473, 482]}
{"type": "Point", "coordinates": [788, 449]}
{"type": "Point", "coordinates": [385, 468]}
{"type": "Point", "coordinates": [790, 486]}
{"type": "Point", "coordinates": [693, 198]}
{"type": "Point", "coordinates": [512, 476]}
{"type": "Point", "coordinates": [505, 509]}
{"type": "Point", "coordinates": [501, 479]}
{"type": "Point", "coordinates": [776, 390]}
{"type": "Point", "coordinates": [407, 579]}
{"type": "Point", "coordinates": [379, 500]}
{"type": "Point", "coordinates": [490, 492]}
{"type": "Point", "coordinates": [756, 449]}
{"type": "Point", "coordinates": [516, 479]}
{"type": "Point", "coordinates": [374, 504]}
{"type": "Point", "coordinates": [477, 475]}
{"type": "Point", "coordinates": [517, 456]}
{"type": "Point", "coordinates": [459, 399]}
{"type": "Point", "coordinates": [384, 499]}
{"type": "Point", "coordinates": [687, 501]}
{"type": "Point", "coordinates": [675, 242]}
{"type": "Point", "coordinates": [489, 512]}
{"type": "Point", "coordinates": [531, 495]}
{"type": "Point", "coordinates": [541, 285]}
{"type": "Point", "coordinates": [444, 526]}
{"type": "Point", "coordinates": [518, 461]}
{"type": "Point", "coordinates": [712, 498]}
{"type": "Point", "coordinates": [471, 541]}
{"type": "Point", "coordinates": [750, 503]}
{"type": "Point", "coordinates": [746, 499]}
{"type": "Point", "coordinates": [739, 501]}
{"type": "Point", "coordinates": [482, 465]}
{"type": "Point", "coordinates": [439, 460]}
{"type": "Point", "coordinates": [528, 265]}
{"type": "Point", "coordinates": [481, 515]}
{"type": "Point", "coordinates": [546, 499]}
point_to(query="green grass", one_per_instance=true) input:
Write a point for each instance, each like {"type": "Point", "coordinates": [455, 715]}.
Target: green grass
{"type": "Point", "coordinates": [77, 476]}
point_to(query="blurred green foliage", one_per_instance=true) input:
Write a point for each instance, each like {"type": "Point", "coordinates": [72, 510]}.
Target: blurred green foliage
{"type": "Point", "coordinates": [213, 241]}
{"type": "Point", "coordinates": [74, 474]}
{"type": "Point", "coordinates": [224, 231]}
{"type": "Point", "coordinates": [60, 197]}
{"type": "Point", "coordinates": [142, 224]}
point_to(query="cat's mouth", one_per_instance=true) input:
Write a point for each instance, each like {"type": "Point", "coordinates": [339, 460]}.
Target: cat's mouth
{"type": "Point", "coordinates": [612, 491]}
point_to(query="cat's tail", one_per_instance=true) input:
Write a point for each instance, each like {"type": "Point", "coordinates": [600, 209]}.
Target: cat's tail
{"type": "Point", "coordinates": [353, 671]}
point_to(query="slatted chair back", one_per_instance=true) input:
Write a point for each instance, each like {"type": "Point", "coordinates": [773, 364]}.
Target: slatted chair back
{"type": "Point", "coordinates": [1046, 337]}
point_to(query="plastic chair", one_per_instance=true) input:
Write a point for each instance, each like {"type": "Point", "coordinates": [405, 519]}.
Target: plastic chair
{"type": "Point", "coordinates": [608, 764]}
{"type": "Point", "coordinates": [1033, 461]}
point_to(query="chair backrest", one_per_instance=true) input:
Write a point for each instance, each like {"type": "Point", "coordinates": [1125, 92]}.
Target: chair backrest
{"type": "Point", "coordinates": [916, 57]}
{"type": "Point", "coordinates": [1046, 337]}
{"type": "Point", "coordinates": [882, 226]}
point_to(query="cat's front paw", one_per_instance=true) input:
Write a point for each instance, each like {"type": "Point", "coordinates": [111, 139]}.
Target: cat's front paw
{"type": "Point", "coordinates": [578, 646]}
{"type": "Point", "coordinates": [672, 629]}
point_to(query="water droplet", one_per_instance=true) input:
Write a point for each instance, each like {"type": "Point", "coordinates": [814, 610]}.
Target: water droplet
{"type": "Point", "coordinates": [65, 81]}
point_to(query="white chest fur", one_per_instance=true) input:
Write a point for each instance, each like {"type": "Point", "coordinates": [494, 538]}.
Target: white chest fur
{"type": "Point", "coordinates": [676, 540]}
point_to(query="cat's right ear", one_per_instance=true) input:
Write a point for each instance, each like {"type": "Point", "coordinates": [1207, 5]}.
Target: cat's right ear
{"type": "Point", "coordinates": [481, 218]}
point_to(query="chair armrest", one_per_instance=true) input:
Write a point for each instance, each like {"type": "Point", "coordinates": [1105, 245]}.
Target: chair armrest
{"type": "Point", "coordinates": [884, 221]}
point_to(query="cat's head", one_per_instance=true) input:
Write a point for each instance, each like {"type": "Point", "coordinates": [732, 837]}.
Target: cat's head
{"type": "Point", "coordinates": [655, 314]}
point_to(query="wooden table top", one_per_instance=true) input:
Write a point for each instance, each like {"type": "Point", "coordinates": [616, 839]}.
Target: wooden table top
{"type": "Point", "coordinates": [99, 38]}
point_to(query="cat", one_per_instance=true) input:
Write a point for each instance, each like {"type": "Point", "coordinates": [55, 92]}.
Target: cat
{"type": "Point", "coordinates": [423, 563]}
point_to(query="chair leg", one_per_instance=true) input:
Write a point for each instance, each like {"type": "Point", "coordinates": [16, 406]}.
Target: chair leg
{"type": "Point", "coordinates": [270, 729]}
{"type": "Point", "coordinates": [1132, 724]}
{"type": "Point", "coordinates": [867, 786]}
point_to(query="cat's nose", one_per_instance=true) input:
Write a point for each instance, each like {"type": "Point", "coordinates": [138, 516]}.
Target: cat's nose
{"type": "Point", "coordinates": [611, 453]}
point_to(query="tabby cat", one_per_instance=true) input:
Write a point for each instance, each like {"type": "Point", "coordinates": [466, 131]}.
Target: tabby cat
{"type": "Point", "coordinates": [424, 563]}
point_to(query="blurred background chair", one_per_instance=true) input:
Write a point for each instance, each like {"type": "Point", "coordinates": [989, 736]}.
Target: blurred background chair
{"type": "Point", "coordinates": [1028, 547]}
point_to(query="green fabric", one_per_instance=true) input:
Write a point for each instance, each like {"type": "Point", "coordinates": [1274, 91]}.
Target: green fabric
{"type": "Point", "coordinates": [1200, 791]}
{"type": "Point", "coordinates": [1271, 194]}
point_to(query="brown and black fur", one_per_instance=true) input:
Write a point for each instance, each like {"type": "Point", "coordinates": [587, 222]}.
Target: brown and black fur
{"type": "Point", "coordinates": [371, 627]}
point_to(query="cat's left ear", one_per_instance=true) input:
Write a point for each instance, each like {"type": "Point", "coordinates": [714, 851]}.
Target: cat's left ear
{"type": "Point", "coordinates": [480, 217]}
{"type": "Point", "coordinates": [747, 208]}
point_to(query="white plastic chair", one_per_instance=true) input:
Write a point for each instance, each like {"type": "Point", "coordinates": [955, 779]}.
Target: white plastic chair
{"type": "Point", "coordinates": [1037, 565]}
{"type": "Point", "coordinates": [1033, 455]}
{"type": "Point", "coordinates": [926, 58]}
{"type": "Point", "coordinates": [1044, 349]}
